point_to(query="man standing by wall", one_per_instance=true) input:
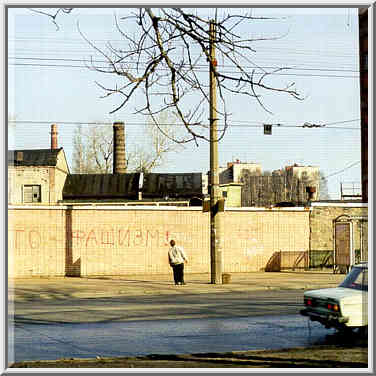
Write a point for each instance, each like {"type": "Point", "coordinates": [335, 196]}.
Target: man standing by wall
{"type": "Point", "coordinates": [177, 258]}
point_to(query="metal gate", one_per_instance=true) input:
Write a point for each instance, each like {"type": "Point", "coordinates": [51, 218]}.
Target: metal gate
{"type": "Point", "coordinates": [350, 238]}
{"type": "Point", "coordinates": [288, 260]}
{"type": "Point", "coordinates": [343, 244]}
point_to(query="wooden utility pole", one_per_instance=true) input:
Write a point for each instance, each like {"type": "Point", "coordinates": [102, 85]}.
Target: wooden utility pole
{"type": "Point", "coordinates": [215, 205]}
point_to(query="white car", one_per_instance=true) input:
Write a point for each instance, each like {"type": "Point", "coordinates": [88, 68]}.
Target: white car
{"type": "Point", "coordinates": [344, 307]}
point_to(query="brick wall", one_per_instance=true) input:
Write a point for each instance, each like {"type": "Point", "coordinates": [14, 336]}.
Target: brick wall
{"type": "Point", "coordinates": [118, 241]}
{"type": "Point", "coordinates": [321, 219]}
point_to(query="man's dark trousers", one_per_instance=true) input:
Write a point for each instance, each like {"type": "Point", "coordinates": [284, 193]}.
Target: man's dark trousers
{"type": "Point", "coordinates": [178, 273]}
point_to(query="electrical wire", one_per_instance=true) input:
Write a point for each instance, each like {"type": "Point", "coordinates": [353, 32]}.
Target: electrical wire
{"type": "Point", "coordinates": [187, 65]}
{"type": "Point", "coordinates": [202, 71]}
{"type": "Point", "coordinates": [340, 171]}
{"type": "Point", "coordinates": [248, 125]}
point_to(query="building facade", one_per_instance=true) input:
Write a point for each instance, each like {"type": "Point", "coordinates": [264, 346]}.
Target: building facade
{"type": "Point", "coordinates": [36, 176]}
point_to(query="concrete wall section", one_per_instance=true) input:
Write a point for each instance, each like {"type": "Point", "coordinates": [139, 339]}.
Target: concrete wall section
{"type": "Point", "coordinates": [253, 237]}
{"type": "Point", "coordinates": [36, 242]}
{"type": "Point", "coordinates": [120, 242]}
{"type": "Point", "coordinates": [117, 240]}
{"type": "Point", "coordinates": [83, 241]}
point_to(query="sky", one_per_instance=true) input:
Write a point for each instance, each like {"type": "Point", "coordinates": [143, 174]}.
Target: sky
{"type": "Point", "coordinates": [48, 83]}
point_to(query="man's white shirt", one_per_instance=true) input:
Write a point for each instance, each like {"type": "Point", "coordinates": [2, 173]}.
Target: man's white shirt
{"type": "Point", "coordinates": [177, 255]}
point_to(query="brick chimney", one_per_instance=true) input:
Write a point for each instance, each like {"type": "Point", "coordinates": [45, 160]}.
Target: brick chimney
{"type": "Point", "coordinates": [54, 136]}
{"type": "Point", "coordinates": [19, 156]}
{"type": "Point", "coordinates": [119, 163]}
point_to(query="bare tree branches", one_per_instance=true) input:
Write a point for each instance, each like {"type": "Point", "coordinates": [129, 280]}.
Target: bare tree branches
{"type": "Point", "coordinates": [165, 58]}
{"type": "Point", "coordinates": [169, 59]}
{"type": "Point", "coordinates": [53, 14]}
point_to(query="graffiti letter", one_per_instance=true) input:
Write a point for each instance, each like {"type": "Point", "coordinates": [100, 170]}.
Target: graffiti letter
{"type": "Point", "coordinates": [91, 237]}
{"type": "Point", "coordinates": [16, 243]}
{"type": "Point", "coordinates": [79, 235]}
{"type": "Point", "coordinates": [121, 239]}
{"type": "Point", "coordinates": [108, 239]}
{"type": "Point", "coordinates": [138, 236]}
{"type": "Point", "coordinates": [36, 242]}
{"type": "Point", "coordinates": [149, 235]}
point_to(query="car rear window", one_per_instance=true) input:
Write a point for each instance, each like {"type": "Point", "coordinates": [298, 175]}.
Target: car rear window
{"type": "Point", "coordinates": [357, 279]}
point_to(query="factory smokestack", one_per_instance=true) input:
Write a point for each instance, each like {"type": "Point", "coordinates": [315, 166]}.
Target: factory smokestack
{"type": "Point", "coordinates": [119, 164]}
{"type": "Point", "coordinates": [54, 136]}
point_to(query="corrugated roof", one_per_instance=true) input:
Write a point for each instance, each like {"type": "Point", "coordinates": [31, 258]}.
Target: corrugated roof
{"type": "Point", "coordinates": [172, 185]}
{"type": "Point", "coordinates": [34, 157]}
{"type": "Point", "coordinates": [127, 186]}
{"type": "Point", "coordinates": [97, 186]}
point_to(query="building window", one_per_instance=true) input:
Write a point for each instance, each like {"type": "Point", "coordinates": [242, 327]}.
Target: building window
{"type": "Point", "coordinates": [31, 193]}
{"type": "Point", "coordinates": [224, 194]}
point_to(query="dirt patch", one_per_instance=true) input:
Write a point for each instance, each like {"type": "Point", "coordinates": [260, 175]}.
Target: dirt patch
{"type": "Point", "coordinates": [309, 357]}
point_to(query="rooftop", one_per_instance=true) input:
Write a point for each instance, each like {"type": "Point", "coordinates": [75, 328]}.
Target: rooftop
{"type": "Point", "coordinates": [33, 157]}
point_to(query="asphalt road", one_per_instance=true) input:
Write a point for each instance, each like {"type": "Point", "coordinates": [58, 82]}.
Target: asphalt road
{"type": "Point", "coordinates": [86, 317]}
{"type": "Point", "coordinates": [183, 336]}
{"type": "Point", "coordinates": [161, 324]}
{"type": "Point", "coordinates": [159, 307]}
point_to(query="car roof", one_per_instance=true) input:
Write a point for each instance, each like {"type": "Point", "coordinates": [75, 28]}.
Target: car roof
{"type": "Point", "coordinates": [362, 264]}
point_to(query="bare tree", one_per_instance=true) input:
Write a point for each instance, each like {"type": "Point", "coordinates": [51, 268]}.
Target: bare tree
{"type": "Point", "coordinates": [167, 55]}
{"type": "Point", "coordinates": [93, 148]}
{"type": "Point", "coordinates": [154, 149]}
{"type": "Point", "coordinates": [324, 190]}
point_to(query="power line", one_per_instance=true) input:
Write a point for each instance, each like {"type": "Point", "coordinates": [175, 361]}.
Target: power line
{"type": "Point", "coordinates": [199, 71]}
{"type": "Point", "coordinates": [187, 65]}
{"type": "Point", "coordinates": [340, 171]}
{"type": "Point", "coordinates": [248, 125]}
{"type": "Point", "coordinates": [296, 51]}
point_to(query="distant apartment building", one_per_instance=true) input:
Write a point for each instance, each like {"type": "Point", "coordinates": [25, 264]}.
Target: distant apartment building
{"type": "Point", "coordinates": [309, 176]}
{"type": "Point", "coordinates": [295, 184]}
{"type": "Point", "coordinates": [234, 171]}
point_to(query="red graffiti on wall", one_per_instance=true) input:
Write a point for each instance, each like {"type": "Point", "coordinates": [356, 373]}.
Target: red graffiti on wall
{"type": "Point", "coordinates": [99, 237]}
{"type": "Point", "coordinates": [29, 238]}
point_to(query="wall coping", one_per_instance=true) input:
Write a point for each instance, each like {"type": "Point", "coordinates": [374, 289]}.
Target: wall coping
{"type": "Point", "coordinates": [107, 207]}
{"type": "Point", "coordinates": [151, 207]}
{"type": "Point", "coordinates": [274, 209]}
{"type": "Point", "coordinates": [184, 208]}
{"type": "Point", "coordinates": [341, 204]}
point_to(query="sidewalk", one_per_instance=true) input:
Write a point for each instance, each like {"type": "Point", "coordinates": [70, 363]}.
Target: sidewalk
{"type": "Point", "coordinates": [26, 289]}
